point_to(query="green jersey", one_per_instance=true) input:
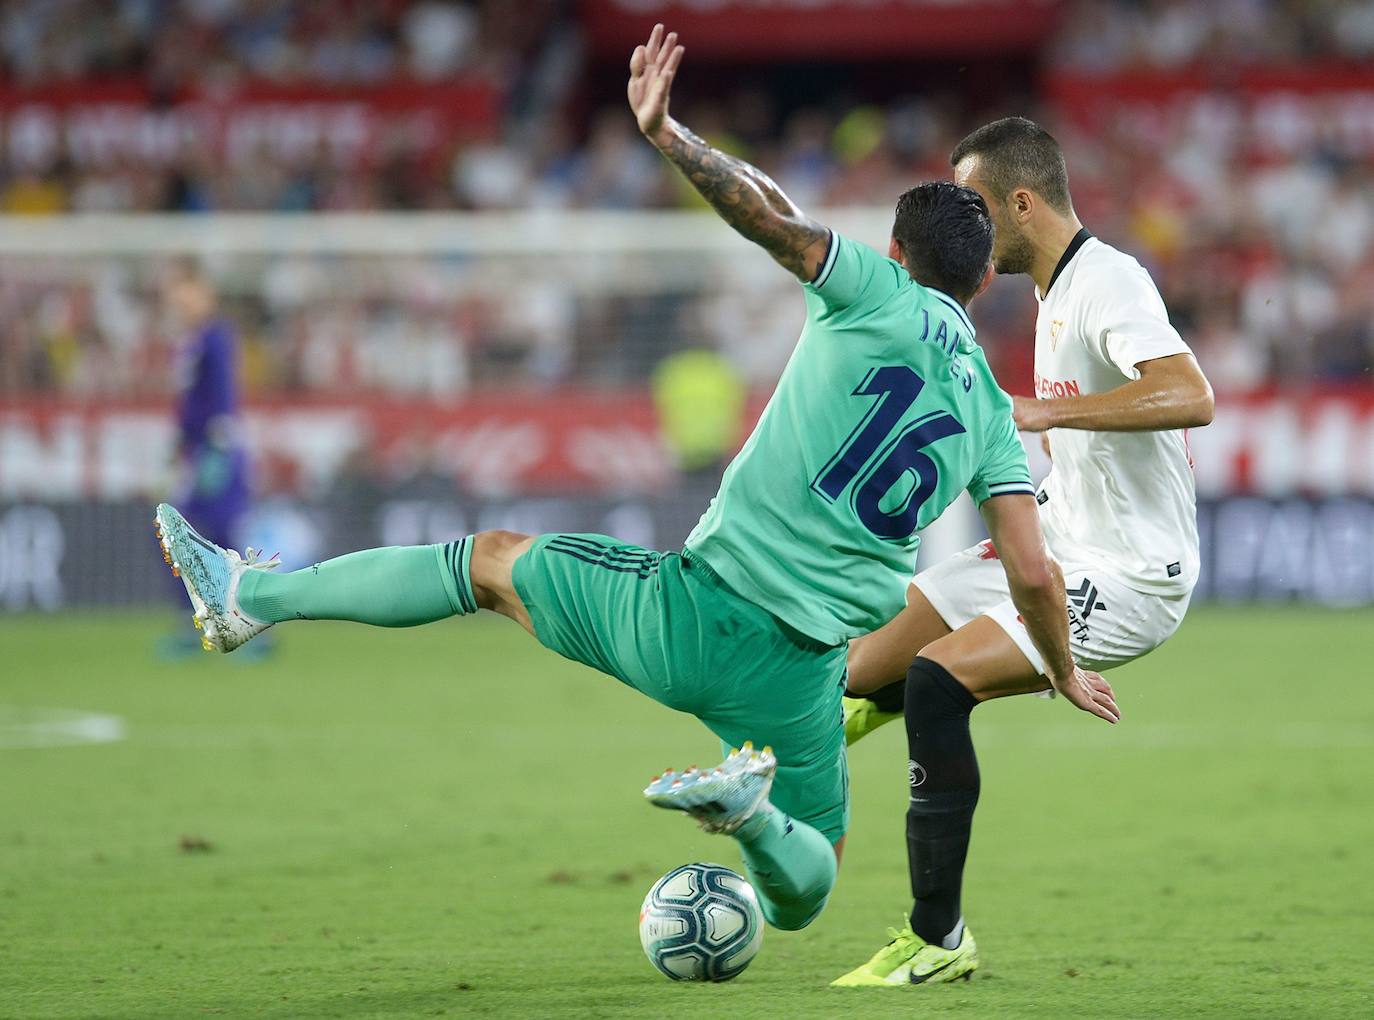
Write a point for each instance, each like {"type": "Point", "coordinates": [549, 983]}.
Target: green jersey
{"type": "Point", "coordinates": [887, 410]}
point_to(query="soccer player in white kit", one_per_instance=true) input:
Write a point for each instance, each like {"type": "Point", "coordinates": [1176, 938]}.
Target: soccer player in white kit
{"type": "Point", "coordinates": [1116, 388]}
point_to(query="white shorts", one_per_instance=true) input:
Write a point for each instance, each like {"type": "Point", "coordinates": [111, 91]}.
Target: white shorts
{"type": "Point", "coordinates": [1109, 623]}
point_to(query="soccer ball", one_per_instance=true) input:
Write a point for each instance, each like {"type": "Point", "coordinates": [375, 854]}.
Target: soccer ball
{"type": "Point", "coordinates": [701, 922]}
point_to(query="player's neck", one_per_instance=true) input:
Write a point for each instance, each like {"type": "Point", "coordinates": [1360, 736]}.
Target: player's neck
{"type": "Point", "coordinates": [1049, 246]}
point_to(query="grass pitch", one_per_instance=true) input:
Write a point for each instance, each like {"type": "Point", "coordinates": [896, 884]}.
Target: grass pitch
{"type": "Point", "coordinates": [447, 821]}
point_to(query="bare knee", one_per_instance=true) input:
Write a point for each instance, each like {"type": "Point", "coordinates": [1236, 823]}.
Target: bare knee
{"type": "Point", "coordinates": [945, 652]}
{"type": "Point", "coordinates": [498, 543]}
{"type": "Point", "coordinates": [932, 651]}
{"type": "Point", "coordinates": [985, 661]}
{"type": "Point", "coordinates": [493, 559]}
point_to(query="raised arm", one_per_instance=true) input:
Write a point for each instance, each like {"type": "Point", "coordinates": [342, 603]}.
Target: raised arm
{"type": "Point", "coordinates": [744, 196]}
{"type": "Point", "coordinates": [1171, 393]}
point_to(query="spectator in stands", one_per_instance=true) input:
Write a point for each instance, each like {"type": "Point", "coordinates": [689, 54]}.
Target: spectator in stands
{"type": "Point", "coordinates": [1265, 247]}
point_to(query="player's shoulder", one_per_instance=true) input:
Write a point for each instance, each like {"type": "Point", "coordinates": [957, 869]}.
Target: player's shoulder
{"type": "Point", "coordinates": [1106, 277]}
{"type": "Point", "coordinates": [1099, 260]}
{"type": "Point", "coordinates": [842, 245]}
{"type": "Point", "coordinates": [854, 279]}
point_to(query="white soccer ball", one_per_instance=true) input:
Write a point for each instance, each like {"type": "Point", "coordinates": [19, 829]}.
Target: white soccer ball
{"type": "Point", "coordinates": [701, 922]}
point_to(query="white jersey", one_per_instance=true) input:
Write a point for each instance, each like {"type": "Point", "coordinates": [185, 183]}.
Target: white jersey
{"type": "Point", "coordinates": [1122, 500]}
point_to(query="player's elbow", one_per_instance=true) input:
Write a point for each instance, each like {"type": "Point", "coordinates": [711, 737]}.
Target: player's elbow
{"type": "Point", "coordinates": [1204, 407]}
{"type": "Point", "coordinates": [1195, 400]}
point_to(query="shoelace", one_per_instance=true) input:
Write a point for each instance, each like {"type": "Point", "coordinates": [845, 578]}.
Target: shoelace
{"type": "Point", "coordinates": [900, 938]}
{"type": "Point", "coordinates": [250, 559]}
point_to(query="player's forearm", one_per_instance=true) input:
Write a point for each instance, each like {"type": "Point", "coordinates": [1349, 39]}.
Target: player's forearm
{"type": "Point", "coordinates": [746, 198]}
{"type": "Point", "coordinates": [1041, 601]}
{"type": "Point", "coordinates": [1139, 406]}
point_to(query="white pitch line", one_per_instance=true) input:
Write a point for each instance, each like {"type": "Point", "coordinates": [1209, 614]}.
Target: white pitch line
{"type": "Point", "coordinates": [23, 726]}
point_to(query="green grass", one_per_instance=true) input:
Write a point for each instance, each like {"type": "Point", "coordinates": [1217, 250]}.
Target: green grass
{"type": "Point", "coordinates": [447, 821]}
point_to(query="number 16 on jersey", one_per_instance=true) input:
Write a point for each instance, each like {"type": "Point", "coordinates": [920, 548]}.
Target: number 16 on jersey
{"type": "Point", "coordinates": [885, 514]}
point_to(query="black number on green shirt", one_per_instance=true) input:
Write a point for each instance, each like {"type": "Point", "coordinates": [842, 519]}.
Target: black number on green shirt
{"type": "Point", "coordinates": [896, 387]}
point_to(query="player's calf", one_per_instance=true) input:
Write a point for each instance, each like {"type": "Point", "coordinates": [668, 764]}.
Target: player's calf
{"type": "Point", "coordinates": [944, 782]}
{"type": "Point", "coordinates": [400, 586]}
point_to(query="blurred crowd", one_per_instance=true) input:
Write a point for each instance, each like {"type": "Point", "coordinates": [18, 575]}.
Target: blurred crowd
{"type": "Point", "coordinates": [1111, 35]}
{"type": "Point", "coordinates": [1264, 254]}
{"type": "Point", "coordinates": [170, 42]}
{"type": "Point", "coordinates": [173, 42]}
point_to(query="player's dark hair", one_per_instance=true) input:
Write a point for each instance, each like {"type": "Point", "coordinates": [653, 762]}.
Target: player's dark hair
{"type": "Point", "coordinates": [945, 235]}
{"type": "Point", "coordinates": [1018, 153]}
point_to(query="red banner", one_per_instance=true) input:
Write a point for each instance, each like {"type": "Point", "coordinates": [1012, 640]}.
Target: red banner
{"type": "Point", "coordinates": [491, 445]}
{"type": "Point", "coordinates": [1259, 112]}
{"type": "Point", "coordinates": [101, 122]}
{"type": "Point", "coordinates": [523, 443]}
{"type": "Point", "coordinates": [764, 30]}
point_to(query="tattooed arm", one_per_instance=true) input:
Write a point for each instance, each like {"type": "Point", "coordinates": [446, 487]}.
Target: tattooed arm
{"type": "Point", "coordinates": [744, 196]}
{"type": "Point", "coordinates": [748, 200]}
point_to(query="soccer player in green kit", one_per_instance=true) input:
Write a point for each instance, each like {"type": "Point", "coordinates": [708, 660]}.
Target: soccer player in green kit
{"type": "Point", "coordinates": [885, 413]}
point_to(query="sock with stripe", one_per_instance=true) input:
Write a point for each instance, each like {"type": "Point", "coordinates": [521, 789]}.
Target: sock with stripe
{"type": "Point", "coordinates": [791, 866]}
{"type": "Point", "coordinates": [398, 586]}
{"type": "Point", "coordinates": [943, 772]}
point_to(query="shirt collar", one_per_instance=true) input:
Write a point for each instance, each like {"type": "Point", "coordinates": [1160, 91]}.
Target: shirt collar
{"type": "Point", "coordinates": [1079, 239]}
{"type": "Point", "coordinates": [967, 342]}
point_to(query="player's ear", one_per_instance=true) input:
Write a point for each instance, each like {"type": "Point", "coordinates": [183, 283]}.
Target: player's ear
{"type": "Point", "coordinates": [1022, 204]}
{"type": "Point", "coordinates": [894, 250]}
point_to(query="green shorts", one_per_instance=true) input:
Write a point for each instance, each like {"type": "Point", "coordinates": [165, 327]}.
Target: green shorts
{"type": "Point", "coordinates": [666, 624]}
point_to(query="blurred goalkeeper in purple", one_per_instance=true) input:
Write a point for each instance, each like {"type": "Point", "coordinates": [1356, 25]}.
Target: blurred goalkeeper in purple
{"type": "Point", "coordinates": [211, 462]}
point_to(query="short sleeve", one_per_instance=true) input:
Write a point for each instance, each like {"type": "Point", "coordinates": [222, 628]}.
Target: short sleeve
{"type": "Point", "coordinates": [1004, 470]}
{"type": "Point", "coordinates": [853, 274]}
{"type": "Point", "coordinates": [1130, 323]}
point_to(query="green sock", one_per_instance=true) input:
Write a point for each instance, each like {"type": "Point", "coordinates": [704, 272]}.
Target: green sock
{"type": "Point", "coordinates": [791, 866]}
{"type": "Point", "coordinates": [400, 586]}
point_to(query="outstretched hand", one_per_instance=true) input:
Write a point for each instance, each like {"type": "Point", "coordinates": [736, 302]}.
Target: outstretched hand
{"type": "Point", "coordinates": [652, 67]}
{"type": "Point", "coordinates": [1090, 692]}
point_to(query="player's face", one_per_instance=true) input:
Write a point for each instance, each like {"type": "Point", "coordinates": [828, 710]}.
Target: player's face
{"type": "Point", "coordinates": [1011, 249]}
{"type": "Point", "coordinates": [188, 301]}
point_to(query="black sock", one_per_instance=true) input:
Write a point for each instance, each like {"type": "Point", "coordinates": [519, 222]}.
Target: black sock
{"type": "Point", "coordinates": [943, 772]}
{"type": "Point", "coordinates": [891, 698]}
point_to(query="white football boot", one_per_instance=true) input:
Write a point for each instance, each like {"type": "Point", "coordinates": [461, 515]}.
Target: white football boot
{"type": "Point", "coordinates": [211, 576]}
{"type": "Point", "coordinates": [723, 798]}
